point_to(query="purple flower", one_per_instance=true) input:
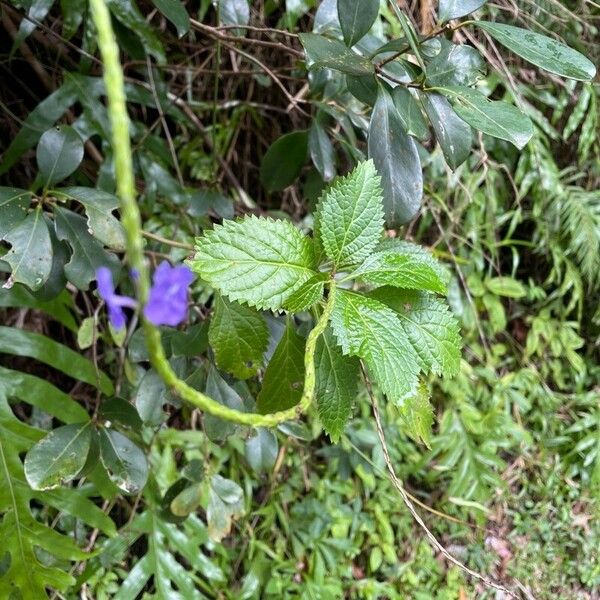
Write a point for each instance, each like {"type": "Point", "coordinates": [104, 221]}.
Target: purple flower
{"type": "Point", "coordinates": [168, 300]}
{"type": "Point", "coordinates": [114, 303]}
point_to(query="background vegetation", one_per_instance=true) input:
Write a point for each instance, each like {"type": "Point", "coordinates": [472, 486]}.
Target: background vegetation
{"type": "Point", "coordinates": [510, 478]}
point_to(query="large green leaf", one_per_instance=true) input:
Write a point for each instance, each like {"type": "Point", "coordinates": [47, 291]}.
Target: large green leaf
{"type": "Point", "coordinates": [234, 12]}
{"type": "Point", "coordinates": [453, 9]}
{"type": "Point", "coordinates": [397, 161]}
{"type": "Point", "coordinates": [225, 503]}
{"type": "Point", "coordinates": [369, 329]}
{"type": "Point", "coordinates": [59, 457]}
{"type": "Point", "coordinates": [542, 51]}
{"type": "Point", "coordinates": [404, 265]}
{"type": "Point", "coordinates": [284, 160]}
{"type": "Point", "coordinates": [13, 208]}
{"type": "Point", "coordinates": [428, 326]}
{"type": "Point", "coordinates": [258, 261]}
{"type": "Point", "coordinates": [498, 119]}
{"type": "Point", "coordinates": [308, 294]}
{"type": "Point", "coordinates": [410, 113]}
{"type": "Point", "coordinates": [30, 256]}
{"type": "Point", "coordinates": [321, 151]}
{"type": "Point", "coordinates": [452, 133]}
{"type": "Point", "coordinates": [356, 18]}
{"type": "Point", "coordinates": [261, 450]}
{"type": "Point", "coordinates": [336, 386]}
{"type": "Point", "coordinates": [124, 462]}
{"type": "Point", "coordinates": [455, 65]}
{"type": "Point", "coordinates": [239, 337]}
{"type": "Point", "coordinates": [328, 53]}
{"type": "Point", "coordinates": [87, 253]}
{"type": "Point", "coordinates": [59, 153]}
{"type": "Point", "coordinates": [350, 216]}
{"type": "Point", "coordinates": [284, 376]}
{"type": "Point", "coordinates": [175, 11]}
{"type": "Point", "coordinates": [42, 348]}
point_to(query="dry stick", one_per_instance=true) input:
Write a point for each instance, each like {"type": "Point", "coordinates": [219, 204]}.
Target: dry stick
{"type": "Point", "coordinates": [398, 485]}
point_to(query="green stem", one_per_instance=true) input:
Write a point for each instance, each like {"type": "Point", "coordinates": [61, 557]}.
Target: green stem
{"type": "Point", "coordinates": [132, 223]}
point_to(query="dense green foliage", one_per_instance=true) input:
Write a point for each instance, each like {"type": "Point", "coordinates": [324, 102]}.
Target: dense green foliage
{"type": "Point", "coordinates": [378, 203]}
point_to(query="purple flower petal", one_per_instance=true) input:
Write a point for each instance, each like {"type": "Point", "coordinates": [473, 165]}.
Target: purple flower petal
{"type": "Point", "coordinates": [168, 299]}
{"type": "Point", "coordinates": [114, 302]}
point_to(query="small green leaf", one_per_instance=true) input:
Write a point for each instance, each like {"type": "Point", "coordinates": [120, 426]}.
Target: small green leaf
{"type": "Point", "coordinates": [59, 153]}
{"type": "Point", "coordinates": [321, 151]}
{"type": "Point", "coordinates": [258, 261]}
{"type": "Point", "coordinates": [234, 12]}
{"type": "Point", "coordinates": [59, 457]}
{"type": "Point", "coordinates": [86, 333]}
{"type": "Point", "coordinates": [410, 113]}
{"type": "Point", "coordinates": [455, 65]}
{"type": "Point", "coordinates": [175, 11]}
{"type": "Point", "coordinates": [453, 9]}
{"type": "Point", "coordinates": [506, 286]}
{"type": "Point", "coordinates": [284, 160]}
{"type": "Point", "coordinates": [30, 255]}
{"type": "Point", "coordinates": [369, 329]}
{"type": "Point", "coordinates": [225, 503]}
{"type": "Point", "coordinates": [284, 376]}
{"type": "Point", "coordinates": [356, 18]}
{"type": "Point", "coordinates": [187, 501]}
{"type": "Point", "coordinates": [328, 53]}
{"type": "Point", "coordinates": [542, 51]}
{"type": "Point", "coordinates": [261, 450]}
{"type": "Point", "coordinates": [120, 411]}
{"type": "Point", "coordinates": [13, 208]}
{"type": "Point", "coordinates": [396, 160]}
{"type": "Point", "coordinates": [149, 398]}
{"type": "Point", "coordinates": [404, 265]}
{"type": "Point", "coordinates": [337, 384]}
{"type": "Point", "coordinates": [350, 216]}
{"type": "Point", "coordinates": [124, 462]}
{"type": "Point", "coordinates": [498, 119]}
{"type": "Point", "coordinates": [223, 393]}
{"type": "Point", "coordinates": [307, 295]}
{"type": "Point", "coordinates": [452, 134]}
{"type": "Point", "coordinates": [417, 416]}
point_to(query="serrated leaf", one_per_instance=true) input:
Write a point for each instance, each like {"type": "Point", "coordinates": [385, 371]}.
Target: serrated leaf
{"type": "Point", "coordinates": [59, 153]}
{"type": "Point", "coordinates": [428, 326]}
{"type": "Point", "coordinates": [239, 337]}
{"type": "Point", "coordinates": [99, 206]}
{"type": "Point", "coordinates": [356, 18]}
{"type": "Point", "coordinates": [452, 134]}
{"type": "Point", "coordinates": [542, 51]}
{"type": "Point", "coordinates": [59, 457]}
{"type": "Point", "coordinates": [410, 113]}
{"type": "Point", "coordinates": [261, 450]}
{"type": "Point", "coordinates": [455, 65]}
{"type": "Point", "coordinates": [284, 376]}
{"type": "Point", "coordinates": [417, 416]}
{"type": "Point", "coordinates": [369, 329]}
{"type": "Point", "coordinates": [404, 265]}
{"type": "Point", "coordinates": [396, 160]}
{"type": "Point", "coordinates": [284, 160]}
{"type": "Point", "coordinates": [258, 261]}
{"type": "Point", "coordinates": [124, 462]}
{"type": "Point", "coordinates": [350, 216]}
{"type": "Point", "coordinates": [336, 384]}
{"type": "Point", "coordinates": [308, 294]}
{"type": "Point", "coordinates": [87, 254]}
{"type": "Point", "coordinates": [328, 53]}
{"type": "Point", "coordinates": [30, 255]}
{"type": "Point", "coordinates": [453, 9]}
{"type": "Point", "coordinates": [13, 208]}
{"type": "Point", "coordinates": [496, 118]}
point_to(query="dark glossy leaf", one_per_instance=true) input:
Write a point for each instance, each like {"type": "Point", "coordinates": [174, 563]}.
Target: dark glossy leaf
{"type": "Point", "coordinates": [56, 282]}
{"type": "Point", "coordinates": [498, 119]}
{"type": "Point", "coordinates": [284, 160]}
{"type": "Point", "coordinates": [149, 398]}
{"type": "Point", "coordinates": [13, 208]}
{"type": "Point", "coordinates": [542, 51]}
{"type": "Point", "coordinates": [284, 377]}
{"type": "Point", "coordinates": [218, 389]}
{"type": "Point", "coordinates": [397, 161]}
{"type": "Point", "coordinates": [453, 9]}
{"type": "Point", "coordinates": [37, 11]}
{"type": "Point", "coordinates": [59, 457]}
{"type": "Point", "coordinates": [59, 153]}
{"type": "Point", "coordinates": [261, 450]}
{"type": "Point", "coordinates": [327, 53]}
{"type": "Point", "coordinates": [175, 11]}
{"type": "Point", "coordinates": [453, 135]}
{"type": "Point", "coordinates": [337, 384]}
{"type": "Point", "coordinates": [455, 65]}
{"type": "Point", "coordinates": [191, 342]}
{"type": "Point", "coordinates": [321, 151]}
{"type": "Point", "coordinates": [87, 254]}
{"type": "Point", "coordinates": [363, 88]}
{"type": "Point", "coordinates": [356, 18]}
{"type": "Point", "coordinates": [124, 462]}
{"type": "Point", "coordinates": [410, 113]}
{"type": "Point", "coordinates": [30, 255]}
{"type": "Point", "coordinates": [120, 411]}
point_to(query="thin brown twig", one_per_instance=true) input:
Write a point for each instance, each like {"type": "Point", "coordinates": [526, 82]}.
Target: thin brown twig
{"type": "Point", "coordinates": [398, 485]}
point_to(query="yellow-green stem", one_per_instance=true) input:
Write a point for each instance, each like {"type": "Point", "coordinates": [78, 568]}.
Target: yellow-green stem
{"type": "Point", "coordinates": [130, 216]}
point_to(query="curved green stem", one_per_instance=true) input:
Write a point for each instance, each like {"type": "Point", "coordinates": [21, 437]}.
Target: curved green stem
{"type": "Point", "coordinates": [131, 219]}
